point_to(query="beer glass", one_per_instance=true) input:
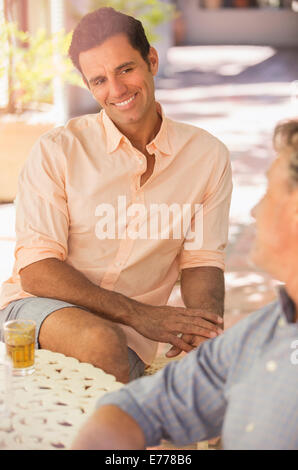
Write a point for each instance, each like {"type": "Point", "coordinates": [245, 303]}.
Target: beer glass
{"type": "Point", "coordinates": [19, 337]}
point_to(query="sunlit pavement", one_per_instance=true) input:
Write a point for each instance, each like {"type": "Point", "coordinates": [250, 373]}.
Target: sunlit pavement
{"type": "Point", "coordinates": [238, 93]}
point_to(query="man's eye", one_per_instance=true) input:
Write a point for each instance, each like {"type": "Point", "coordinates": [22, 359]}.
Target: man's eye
{"type": "Point", "coordinates": [98, 82]}
{"type": "Point", "coordinates": [126, 70]}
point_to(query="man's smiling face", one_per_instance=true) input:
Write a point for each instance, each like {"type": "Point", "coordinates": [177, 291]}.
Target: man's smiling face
{"type": "Point", "coordinates": [120, 80]}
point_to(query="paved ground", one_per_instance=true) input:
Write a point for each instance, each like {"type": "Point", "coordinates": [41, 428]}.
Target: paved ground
{"type": "Point", "coordinates": [237, 93]}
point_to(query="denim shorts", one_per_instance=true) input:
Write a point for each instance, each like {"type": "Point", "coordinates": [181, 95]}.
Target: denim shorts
{"type": "Point", "coordinates": [39, 308]}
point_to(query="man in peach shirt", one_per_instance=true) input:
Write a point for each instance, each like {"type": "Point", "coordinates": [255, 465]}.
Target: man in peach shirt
{"type": "Point", "coordinates": [95, 264]}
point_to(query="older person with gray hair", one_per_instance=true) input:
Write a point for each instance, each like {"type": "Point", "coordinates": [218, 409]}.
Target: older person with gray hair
{"type": "Point", "coordinates": [243, 384]}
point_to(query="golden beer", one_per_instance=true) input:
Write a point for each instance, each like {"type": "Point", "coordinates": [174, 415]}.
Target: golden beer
{"type": "Point", "coordinates": [19, 338]}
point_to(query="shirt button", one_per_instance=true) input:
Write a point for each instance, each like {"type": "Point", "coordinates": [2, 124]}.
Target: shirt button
{"type": "Point", "coordinates": [271, 366]}
{"type": "Point", "coordinates": [250, 427]}
{"type": "Point", "coordinates": [281, 322]}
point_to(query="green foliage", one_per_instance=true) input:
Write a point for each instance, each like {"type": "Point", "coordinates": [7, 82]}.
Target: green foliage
{"type": "Point", "coordinates": [151, 13]}
{"type": "Point", "coordinates": [32, 62]}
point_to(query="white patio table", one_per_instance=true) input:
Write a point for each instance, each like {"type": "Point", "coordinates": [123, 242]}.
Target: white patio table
{"type": "Point", "coordinates": [49, 406]}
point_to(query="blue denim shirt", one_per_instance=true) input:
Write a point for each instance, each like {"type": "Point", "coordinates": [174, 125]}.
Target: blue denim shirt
{"type": "Point", "coordinates": [242, 385]}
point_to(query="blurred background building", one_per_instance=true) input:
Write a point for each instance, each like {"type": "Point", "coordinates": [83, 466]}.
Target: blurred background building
{"type": "Point", "coordinates": [258, 22]}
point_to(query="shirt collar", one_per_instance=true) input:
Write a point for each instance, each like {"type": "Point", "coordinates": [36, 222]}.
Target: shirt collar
{"type": "Point", "coordinates": [161, 140]}
{"type": "Point", "coordinates": [287, 305]}
{"type": "Point", "coordinates": [115, 137]}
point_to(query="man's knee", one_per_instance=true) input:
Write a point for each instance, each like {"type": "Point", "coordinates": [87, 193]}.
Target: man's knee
{"type": "Point", "coordinates": [105, 331]}
{"type": "Point", "coordinates": [106, 337]}
{"type": "Point", "coordinates": [78, 333]}
{"type": "Point", "coordinates": [107, 349]}
{"type": "Point", "coordinates": [73, 325]}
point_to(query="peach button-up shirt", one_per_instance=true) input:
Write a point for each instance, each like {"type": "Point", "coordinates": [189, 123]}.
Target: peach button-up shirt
{"type": "Point", "coordinates": [80, 200]}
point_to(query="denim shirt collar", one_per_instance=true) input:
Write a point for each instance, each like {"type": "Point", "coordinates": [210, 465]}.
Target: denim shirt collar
{"type": "Point", "coordinates": [287, 305]}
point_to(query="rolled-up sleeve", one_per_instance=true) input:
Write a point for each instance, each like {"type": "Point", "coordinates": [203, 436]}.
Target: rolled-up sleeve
{"type": "Point", "coordinates": [210, 223]}
{"type": "Point", "coordinates": [42, 218]}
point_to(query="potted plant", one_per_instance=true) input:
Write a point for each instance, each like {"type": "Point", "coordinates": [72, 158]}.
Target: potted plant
{"type": "Point", "coordinates": [29, 65]}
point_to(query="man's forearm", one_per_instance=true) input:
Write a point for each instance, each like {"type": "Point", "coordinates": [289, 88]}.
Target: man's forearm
{"type": "Point", "coordinates": [110, 428]}
{"type": "Point", "coordinates": [56, 279]}
{"type": "Point", "coordinates": [203, 288]}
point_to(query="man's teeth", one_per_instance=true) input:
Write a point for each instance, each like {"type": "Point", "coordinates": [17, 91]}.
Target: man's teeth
{"type": "Point", "coordinates": [126, 102]}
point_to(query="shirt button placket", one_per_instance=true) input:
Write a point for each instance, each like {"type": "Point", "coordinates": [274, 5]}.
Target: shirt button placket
{"type": "Point", "coordinates": [249, 427]}
{"type": "Point", "coordinates": [271, 366]}
{"type": "Point", "coordinates": [281, 322]}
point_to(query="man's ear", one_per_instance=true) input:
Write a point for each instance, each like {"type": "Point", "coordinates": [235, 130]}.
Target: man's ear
{"type": "Point", "coordinates": [153, 60]}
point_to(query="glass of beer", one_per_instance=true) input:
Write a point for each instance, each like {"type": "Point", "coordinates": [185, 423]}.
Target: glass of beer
{"type": "Point", "coordinates": [19, 337]}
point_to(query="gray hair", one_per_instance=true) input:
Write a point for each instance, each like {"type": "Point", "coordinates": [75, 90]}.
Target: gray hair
{"type": "Point", "coordinates": [286, 135]}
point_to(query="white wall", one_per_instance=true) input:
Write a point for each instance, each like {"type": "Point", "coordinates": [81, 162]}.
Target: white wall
{"type": "Point", "coordinates": [271, 27]}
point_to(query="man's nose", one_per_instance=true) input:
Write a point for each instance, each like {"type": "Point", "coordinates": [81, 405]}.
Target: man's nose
{"type": "Point", "coordinates": [117, 88]}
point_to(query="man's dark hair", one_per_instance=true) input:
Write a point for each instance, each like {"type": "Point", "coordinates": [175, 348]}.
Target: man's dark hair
{"type": "Point", "coordinates": [99, 25]}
